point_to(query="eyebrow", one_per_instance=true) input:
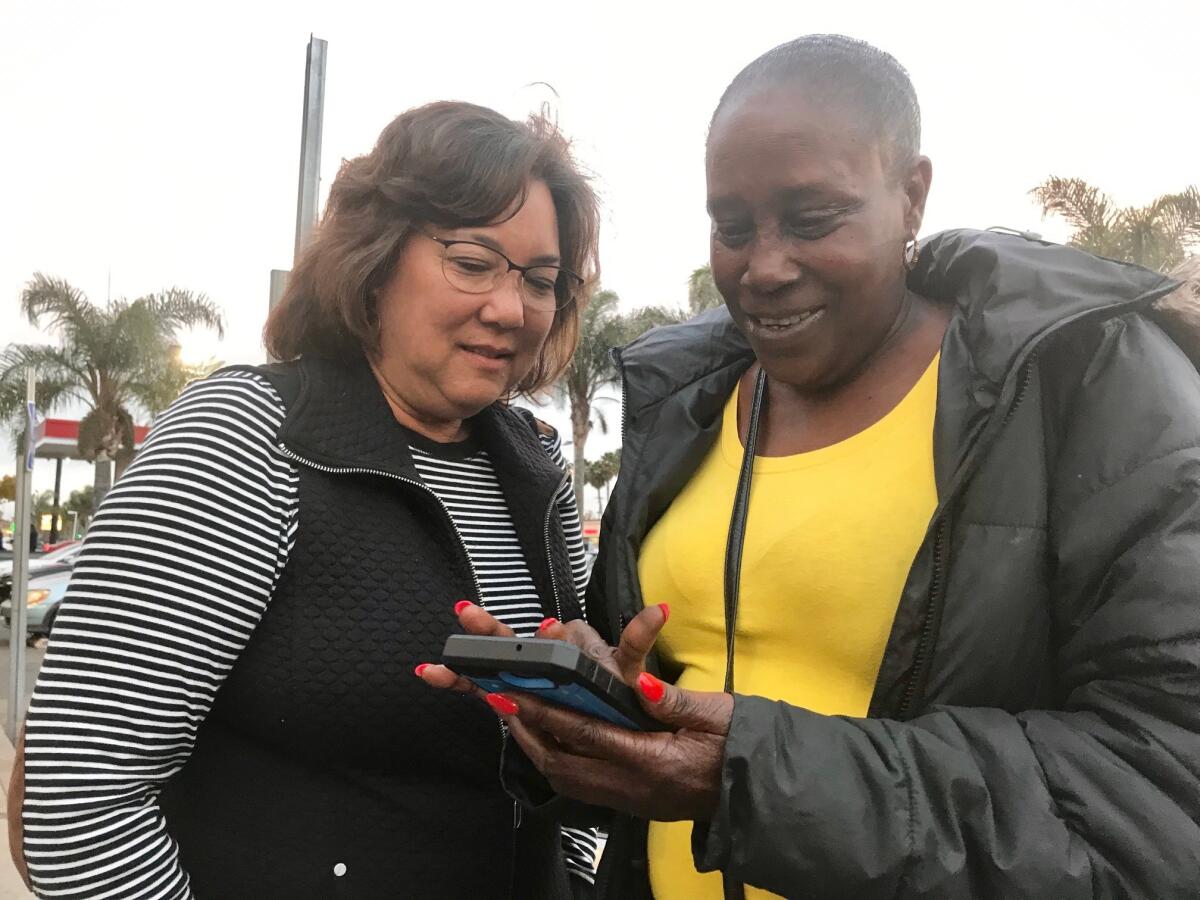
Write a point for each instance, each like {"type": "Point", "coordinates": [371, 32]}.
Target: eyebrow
{"type": "Point", "coordinates": [479, 238]}
{"type": "Point", "coordinates": [820, 196]}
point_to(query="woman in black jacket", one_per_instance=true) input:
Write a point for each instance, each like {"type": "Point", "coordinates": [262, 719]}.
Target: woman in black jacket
{"type": "Point", "coordinates": [958, 595]}
{"type": "Point", "coordinates": [228, 707]}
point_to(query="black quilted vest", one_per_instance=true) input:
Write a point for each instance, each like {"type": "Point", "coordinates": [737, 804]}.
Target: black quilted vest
{"type": "Point", "coordinates": [325, 768]}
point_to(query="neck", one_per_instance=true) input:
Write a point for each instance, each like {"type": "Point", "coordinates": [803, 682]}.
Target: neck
{"type": "Point", "coordinates": [436, 428]}
{"type": "Point", "coordinates": [904, 353]}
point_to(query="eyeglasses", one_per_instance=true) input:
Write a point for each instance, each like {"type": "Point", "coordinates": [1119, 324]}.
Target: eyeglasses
{"type": "Point", "coordinates": [477, 268]}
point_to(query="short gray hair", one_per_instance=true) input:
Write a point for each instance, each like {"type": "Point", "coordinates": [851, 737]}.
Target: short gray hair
{"type": "Point", "coordinates": [848, 71]}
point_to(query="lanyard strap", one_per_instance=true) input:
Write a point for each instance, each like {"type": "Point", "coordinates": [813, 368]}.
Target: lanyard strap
{"type": "Point", "coordinates": [734, 889]}
{"type": "Point", "coordinates": [737, 525]}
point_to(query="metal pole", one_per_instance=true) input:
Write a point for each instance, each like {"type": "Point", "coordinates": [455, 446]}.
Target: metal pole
{"type": "Point", "coordinates": [310, 140]}
{"type": "Point", "coordinates": [74, 522]}
{"type": "Point", "coordinates": [20, 573]}
{"type": "Point", "coordinates": [278, 286]}
{"type": "Point", "coordinates": [56, 519]}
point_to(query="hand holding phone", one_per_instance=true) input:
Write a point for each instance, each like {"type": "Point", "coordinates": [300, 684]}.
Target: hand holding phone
{"type": "Point", "coordinates": [556, 671]}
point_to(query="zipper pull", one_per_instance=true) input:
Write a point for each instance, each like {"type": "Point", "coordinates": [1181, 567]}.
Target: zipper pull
{"type": "Point", "coordinates": [517, 814]}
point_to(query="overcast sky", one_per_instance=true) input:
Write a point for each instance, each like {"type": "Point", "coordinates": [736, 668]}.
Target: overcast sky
{"type": "Point", "coordinates": [148, 144]}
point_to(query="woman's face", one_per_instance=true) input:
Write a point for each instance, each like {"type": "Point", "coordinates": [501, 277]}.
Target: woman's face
{"type": "Point", "coordinates": [448, 353]}
{"type": "Point", "coordinates": [809, 224]}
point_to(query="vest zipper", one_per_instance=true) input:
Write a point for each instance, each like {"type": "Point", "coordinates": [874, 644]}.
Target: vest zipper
{"type": "Point", "coordinates": [355, 470]}
{"type": "Point", "coordinates": [549, 555]}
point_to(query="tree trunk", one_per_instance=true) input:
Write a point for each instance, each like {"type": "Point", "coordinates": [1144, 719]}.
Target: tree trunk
{"type": "Point", "coordinates": [103, 480]}
{"type": "Point", "coordinates": [580, 426]}
{"type": "Point", "coordinates": [56, 513]}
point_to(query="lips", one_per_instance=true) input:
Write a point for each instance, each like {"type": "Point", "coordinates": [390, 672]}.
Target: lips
{"type": "Point", "coordinates": [783, 325]}
{"type": "Point", "coordinates": [489, 351]}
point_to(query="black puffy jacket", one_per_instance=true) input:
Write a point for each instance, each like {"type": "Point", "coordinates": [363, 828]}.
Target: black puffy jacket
{"type": "Point", "coordinates": [1035, 727]}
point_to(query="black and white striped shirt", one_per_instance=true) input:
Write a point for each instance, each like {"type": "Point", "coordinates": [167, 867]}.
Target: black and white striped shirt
{"type": "Point", "coordinates": [177, 569]}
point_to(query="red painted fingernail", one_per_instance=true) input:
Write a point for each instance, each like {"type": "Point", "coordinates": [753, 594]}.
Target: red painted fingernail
{"type": "Point", "coordinates": [502, 704]}
{"type": "Point", "coordinates": [421, 668]}
{"type": "Point", "coordinates": [651, 688]}
{"type": "Point", "coordinates": [666, 612]}
{"type": "Point", "coordinates": [461, 605]}
{"type": "Point", "coordinates": [546, 623]}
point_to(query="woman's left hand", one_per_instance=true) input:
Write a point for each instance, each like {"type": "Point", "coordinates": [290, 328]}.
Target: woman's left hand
{"type": "Point", "coordinates": [666, 776]}
{"type": "Point", "coordinates": [659, 775]}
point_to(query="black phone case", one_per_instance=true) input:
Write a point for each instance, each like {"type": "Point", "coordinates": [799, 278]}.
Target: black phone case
{"type": "Point", "coordinates": [553, 670]}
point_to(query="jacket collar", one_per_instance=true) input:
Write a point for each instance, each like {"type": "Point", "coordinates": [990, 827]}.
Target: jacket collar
{"type": "Point", "coordinates": [1011, 292]}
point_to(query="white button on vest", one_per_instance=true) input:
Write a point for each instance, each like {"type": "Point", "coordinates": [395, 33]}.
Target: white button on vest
{"type": "Point", "coordinates": [339, 870]}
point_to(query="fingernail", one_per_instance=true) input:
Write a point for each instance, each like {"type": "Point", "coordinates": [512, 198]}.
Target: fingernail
{"type": "Point", "coordinates": [651, 688]}
{"type": "Point", "coordinates": [546, 623]}
{"type": "Point", "coordinates": [461, 605]}
{"type": "Point", "coordinates": [502, 704]}
{"type": "Point", "coordinates": [666, 612]}
{"type": "Point", "coordinates": [421, 668]}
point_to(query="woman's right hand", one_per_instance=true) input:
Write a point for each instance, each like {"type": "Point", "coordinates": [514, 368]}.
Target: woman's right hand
{"type": "Point", "coordinates": [627, 660]}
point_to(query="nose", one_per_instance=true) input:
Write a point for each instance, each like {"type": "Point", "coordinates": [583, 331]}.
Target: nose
{"type": "Point", "coordinates": [769, 266]}
{"type": "Point", "coordinates": [505, 307]}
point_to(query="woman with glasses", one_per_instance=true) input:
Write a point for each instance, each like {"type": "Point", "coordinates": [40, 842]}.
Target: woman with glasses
{"type": "Point", "coordinates": [927, 519]}
{"type": "Point", "coordinates": [228, 708]}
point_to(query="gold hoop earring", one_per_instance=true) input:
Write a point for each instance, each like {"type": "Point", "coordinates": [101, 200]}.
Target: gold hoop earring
{"type": "Point", "coordinates": [911, 253]}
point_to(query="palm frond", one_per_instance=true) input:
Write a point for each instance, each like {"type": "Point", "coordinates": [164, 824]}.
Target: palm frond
{"type": "Point", "coordinates": [66, 308]}
{"type": "Point", "coordinates": [176, 309]}
{"type": "Point", "coordinates": [1179, 215]}
{"type": "Point", "coordinates": [1084, 207]}
{"type": "Point", "coordinates": [1157, 236]}
{"type": "Point", "coordinates": [50, 362]}
{"type": "Point", "coordinates": [49, 394]}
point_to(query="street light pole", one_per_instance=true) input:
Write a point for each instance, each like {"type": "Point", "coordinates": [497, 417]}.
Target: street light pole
{"type": "Point", "coordinates": [20, 572]}
{"type": "Point", "coordinates": [311, 126]}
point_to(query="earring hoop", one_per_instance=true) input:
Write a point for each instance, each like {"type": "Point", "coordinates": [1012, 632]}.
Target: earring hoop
{"type": "Point", "coordinates": [911, 253]}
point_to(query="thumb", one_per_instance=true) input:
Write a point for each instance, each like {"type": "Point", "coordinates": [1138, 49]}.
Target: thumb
{"type": "Point", "coordinates": [707, 711]}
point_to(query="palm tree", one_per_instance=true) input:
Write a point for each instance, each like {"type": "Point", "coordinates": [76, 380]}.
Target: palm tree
{"type": "Point", "coordinates": [601, 328]}
{"type": "Point", "coordinates": [702, 291]}
{"type": "Point", "coordinates": [114, 359]}
{"type": "Point", "coordinates": [601, 471]}
{"type": "Point", "coordinates": [1157, 236]}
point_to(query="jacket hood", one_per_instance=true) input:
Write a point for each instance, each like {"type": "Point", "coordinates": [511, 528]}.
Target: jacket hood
{"type": "Point", "coordinates": [1010, 292]}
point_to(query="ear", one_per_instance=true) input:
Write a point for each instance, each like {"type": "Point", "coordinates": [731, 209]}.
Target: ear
{"type": "Point", "coordinates": [915, 184]}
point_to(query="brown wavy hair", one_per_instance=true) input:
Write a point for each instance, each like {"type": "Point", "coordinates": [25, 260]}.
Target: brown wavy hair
{"type": "Point", "coordinates": [447, 165]}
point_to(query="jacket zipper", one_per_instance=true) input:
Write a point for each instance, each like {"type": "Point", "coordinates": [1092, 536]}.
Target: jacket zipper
{"type": "Point", "coordinates": [923, 650]}
{"type": "Point", "coordinates": [924, 639]}
{"type": "Point", "coordinates": [616, 357]}
{"type": "Point", "coordinates": [622, 619]}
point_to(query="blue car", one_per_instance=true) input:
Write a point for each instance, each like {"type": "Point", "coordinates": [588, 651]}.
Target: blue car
{"type": "Point", "coordinates": [47, 588]}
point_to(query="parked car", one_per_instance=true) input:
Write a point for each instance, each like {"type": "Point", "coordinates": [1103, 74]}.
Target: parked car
{"type": "Point", "coordinates": [46, 591]}
{"type": "Point", "coordinates": [64, 555]}
{"type": "Point", "coordinates": [60, 545]}
{"type": "Point", "coordinates": [590, 552]}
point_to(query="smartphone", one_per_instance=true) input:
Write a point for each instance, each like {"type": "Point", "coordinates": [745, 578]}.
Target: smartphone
{"type": "Point", "coordinates": [555, 671]}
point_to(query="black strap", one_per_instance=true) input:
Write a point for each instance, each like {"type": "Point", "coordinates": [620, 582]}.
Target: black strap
{"type": "Point", "coordinates": [734, 889]}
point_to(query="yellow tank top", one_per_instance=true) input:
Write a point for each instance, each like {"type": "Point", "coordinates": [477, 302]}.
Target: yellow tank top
{"type": "Point", "coordinates": [830, 538]}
